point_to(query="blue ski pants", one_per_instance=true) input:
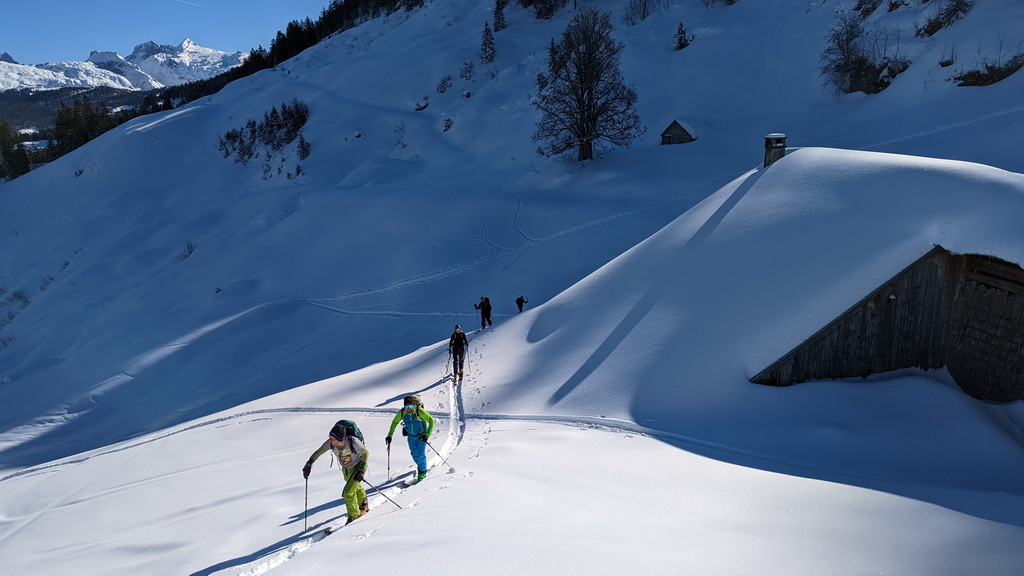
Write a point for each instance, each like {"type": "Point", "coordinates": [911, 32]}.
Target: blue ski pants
{"type": "Point", "coordinates": [418, 449]}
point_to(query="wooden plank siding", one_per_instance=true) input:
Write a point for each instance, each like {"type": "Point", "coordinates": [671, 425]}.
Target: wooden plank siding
{"type": "Point", "coordinates": [964, 312]}
{"type": "Point", "coordinates": [987, 317]}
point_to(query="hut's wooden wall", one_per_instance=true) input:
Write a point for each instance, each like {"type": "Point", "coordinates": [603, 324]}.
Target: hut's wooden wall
{"type": "Point", "coordinates": [965, 312]}
{"type": "Point", "coordinates": [987, 329]}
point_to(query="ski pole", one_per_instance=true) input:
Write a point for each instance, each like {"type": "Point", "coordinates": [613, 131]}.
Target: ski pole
{"type": "Point", "coordinates": [381, 493]}
{"type": "Point", "coordinates": [389, 461]}
{"type": "Point", "coordinates": [305, 509]}
{"type": "Point", "coordinates": [450, 467]}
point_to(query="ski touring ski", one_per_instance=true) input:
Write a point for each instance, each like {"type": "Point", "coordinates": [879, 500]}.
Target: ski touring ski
{"type": "Point", "coordinates": [414, 479]}
{"type": "Point", "coordinates": [334, 528]}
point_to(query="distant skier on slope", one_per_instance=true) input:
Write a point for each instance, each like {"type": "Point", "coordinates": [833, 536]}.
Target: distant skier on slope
{"type": "Point", "coordinates": [520, 301]}
{"type": "Point", "coordinates": [485, 312]}
{"type": "Point", "coordinates": [457, 346]}
{"type": "Point", "coordinates": [417, 426]}
{"type": "Point", "coordinates": [353, 457]}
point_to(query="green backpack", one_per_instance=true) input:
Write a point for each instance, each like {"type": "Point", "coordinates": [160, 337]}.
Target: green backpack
{"type": "Point", "coordinates": [350, 430]}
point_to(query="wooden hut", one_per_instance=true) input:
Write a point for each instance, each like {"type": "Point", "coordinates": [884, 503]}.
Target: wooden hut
{"type": "Point", "coordinates": [677, 133]}
{"type": "Point", "coordinates": [963, 312]}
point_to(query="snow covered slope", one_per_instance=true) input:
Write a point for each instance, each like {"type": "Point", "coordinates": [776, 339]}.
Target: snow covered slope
{"type": "Point", "coordinates": [185, 329]}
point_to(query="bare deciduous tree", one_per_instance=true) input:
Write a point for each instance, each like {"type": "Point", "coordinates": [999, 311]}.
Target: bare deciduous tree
{"type": "Point", "coordinates": [586, 100]}
{"type": "Point", "coordinates": [858, 60]}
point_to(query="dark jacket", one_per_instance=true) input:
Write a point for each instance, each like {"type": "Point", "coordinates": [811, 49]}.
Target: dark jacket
{"type": "Point", "coordinates": [458, 342]}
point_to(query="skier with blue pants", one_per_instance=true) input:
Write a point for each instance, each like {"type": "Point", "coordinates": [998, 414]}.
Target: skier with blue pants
{"type": "Point", "coordinates": [417, 426]}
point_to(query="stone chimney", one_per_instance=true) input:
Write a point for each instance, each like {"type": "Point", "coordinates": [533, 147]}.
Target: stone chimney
{"type": "Point", "coordinates": [774, 148]}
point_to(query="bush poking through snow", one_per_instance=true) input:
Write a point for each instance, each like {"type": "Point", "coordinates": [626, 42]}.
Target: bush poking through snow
{"type": "Point", "coordinates": [277, 129]}
{"type": "Point", "coordinates": [990, 72]}
{"type": "Point", "coordinates": [856, 60]}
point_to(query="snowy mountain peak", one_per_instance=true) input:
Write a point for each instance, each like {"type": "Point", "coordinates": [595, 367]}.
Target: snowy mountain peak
{"type": "Point", "coordinates": [186, 62]}
{"type": "Point", "coordinates": [114, 62]}
{"type": "Point", "coordinates": [98, 56]}
{"type": "Point", "coordinates": [147, 49]}
{"type": "Point", "coordinates": [149, 66]}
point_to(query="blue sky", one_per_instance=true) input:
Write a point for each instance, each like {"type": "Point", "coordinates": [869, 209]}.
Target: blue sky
{"type": "Point", "coordinates": [67, 30]}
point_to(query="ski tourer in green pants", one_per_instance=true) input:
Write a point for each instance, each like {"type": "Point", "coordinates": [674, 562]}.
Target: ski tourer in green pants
{"type": "Point", "coordinates": [353, 458]}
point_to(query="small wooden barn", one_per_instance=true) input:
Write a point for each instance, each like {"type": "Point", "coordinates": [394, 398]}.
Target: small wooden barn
{"type": "Point", "coordinates": [678, 133]}
{"type": "Point", "coordinates": [964, 312]}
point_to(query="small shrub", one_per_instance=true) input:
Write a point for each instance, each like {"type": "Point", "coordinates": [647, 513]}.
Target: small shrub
{"type": "Point", "coordinates": [954, 10]}
{"type": "Point", "coordinates": [990, 72]}
{"type": "Point", "coordinates": [190, 249]}
{"type": "Point", "coordinates": [444, 84]}
{"type": "Point", "coordinates": [447, 124]}
{"type": "Point", "coordinates": [466, 72]}
{"type": "Point", "coordinates": [400, 133]}
{"type": "Point", "coordinates": [866, 7]}
{"type": "Point", "coordinates": [682, 38]}
{"type": "Point", "coordinates": [637, 11]}
{"type": "Point", "coordinates": [421, 105]}
{"type": "Point", "coordinates": [19, 298]}
{"type": "Point", "coordinates": [948, 60]}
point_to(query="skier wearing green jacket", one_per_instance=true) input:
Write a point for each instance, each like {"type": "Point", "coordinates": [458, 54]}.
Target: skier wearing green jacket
{"type": "Point", "coordinates": [353, 457]}
{"type": "Point", "coordinates": [417, 426]}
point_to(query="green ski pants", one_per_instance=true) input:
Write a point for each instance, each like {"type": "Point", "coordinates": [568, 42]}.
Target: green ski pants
{"type": "Point", "coordinates": [353, 493]}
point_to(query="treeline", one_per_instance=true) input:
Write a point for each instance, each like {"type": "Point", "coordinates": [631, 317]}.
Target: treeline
{"type": "Point", "coordinates": [76, 124]}
{"type": "Point", "coordinates": [82, 121]}
{"type": "Point", "coordinates": [14, 155]}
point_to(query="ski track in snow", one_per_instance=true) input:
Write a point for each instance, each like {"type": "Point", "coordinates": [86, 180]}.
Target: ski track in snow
{"type": "Point", "coordinates": [333, 303]}
{"type": "Point", "coordinates": [456, 429]}
{"type": "Point", "coordinates": [457, 420]}
{"type": "Point", "coordinates": [943, 128]}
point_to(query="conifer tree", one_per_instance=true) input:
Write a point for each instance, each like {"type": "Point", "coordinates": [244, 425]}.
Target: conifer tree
{"type": "Point", "coordinates": [682, 38]}
{"type": "Point", "coordinates": [499, 15]}
{"type": "Point", "coordinates": [546, 9]}
{"type": "Point", "coordinates": [487, 45]}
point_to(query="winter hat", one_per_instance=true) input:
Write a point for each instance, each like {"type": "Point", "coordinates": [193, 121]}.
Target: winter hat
{"type": "Point", "coordinates": [339, 432]}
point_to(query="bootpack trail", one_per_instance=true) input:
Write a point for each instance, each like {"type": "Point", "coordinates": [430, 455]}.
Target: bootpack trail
{"type": "Point", "coordinates": [381, 494]}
